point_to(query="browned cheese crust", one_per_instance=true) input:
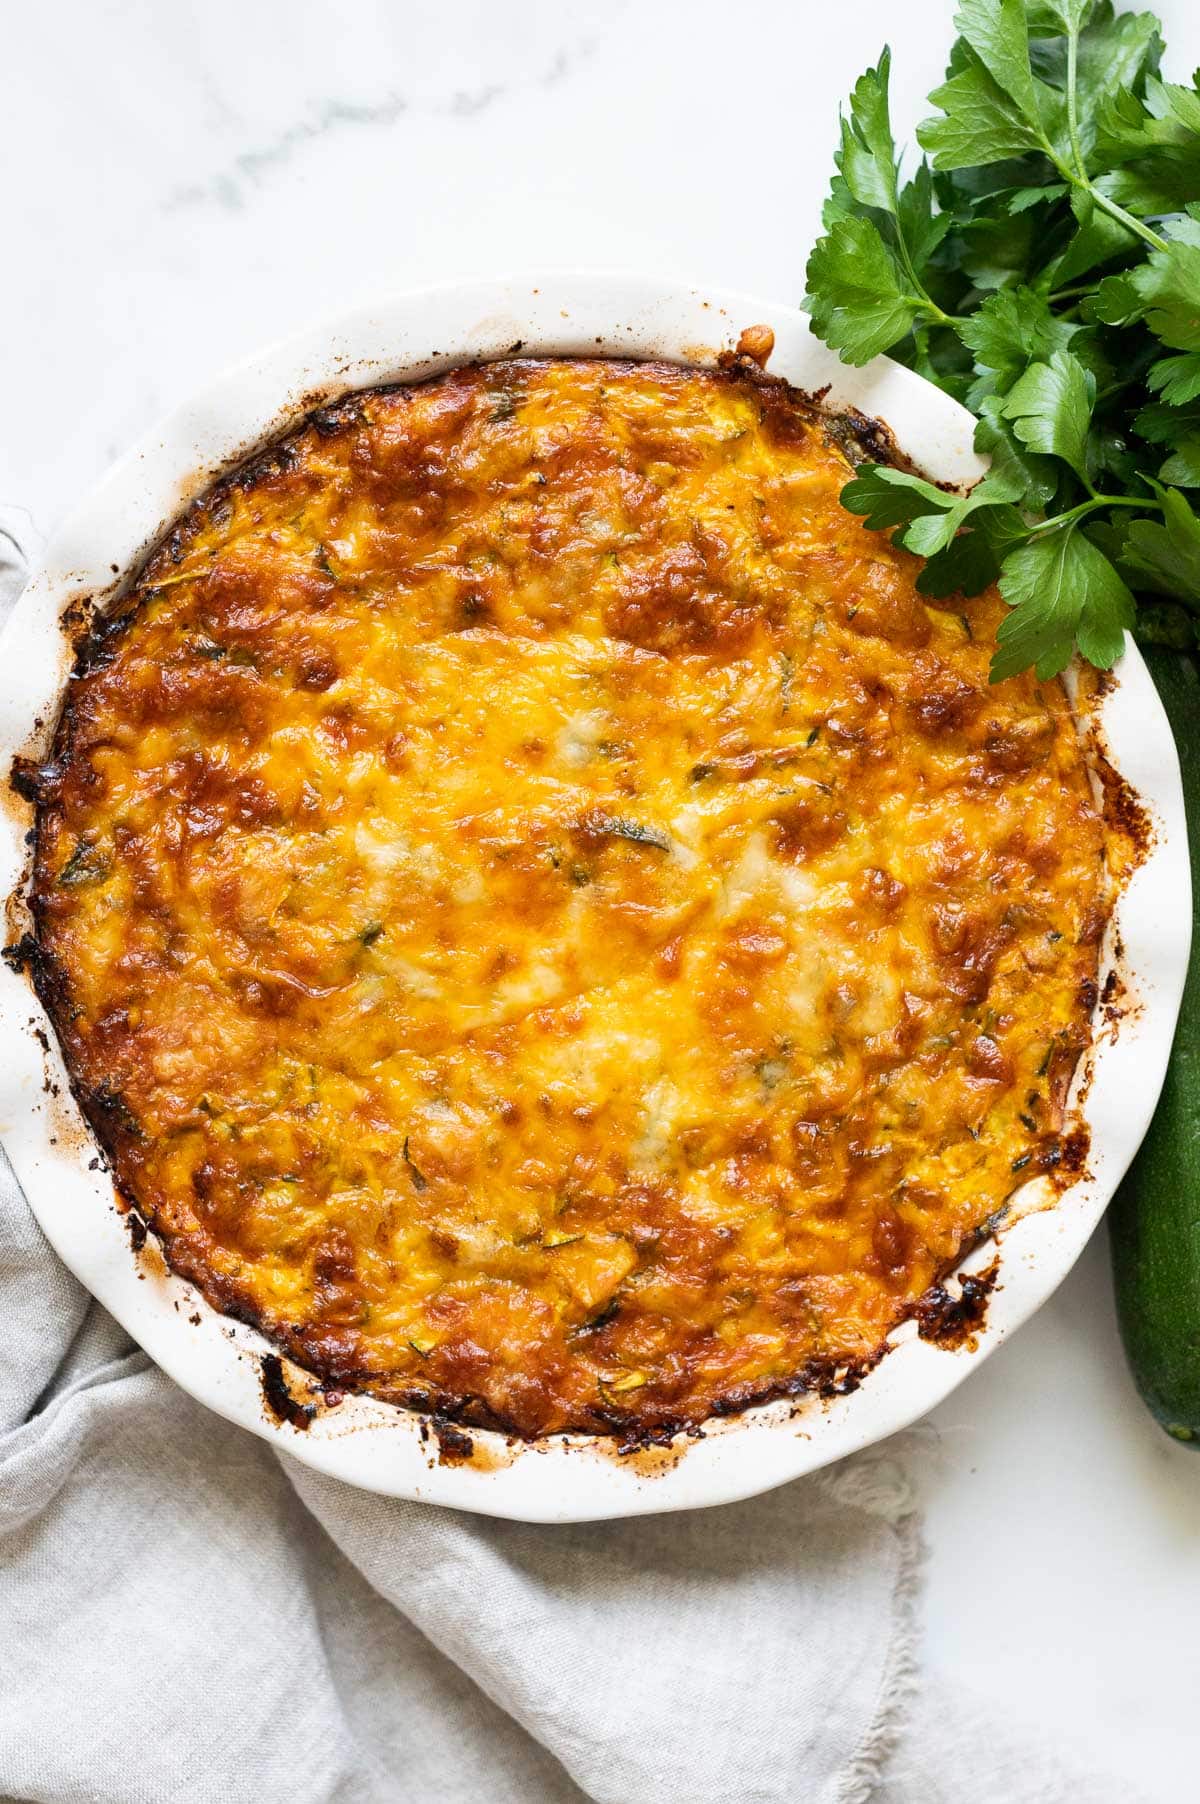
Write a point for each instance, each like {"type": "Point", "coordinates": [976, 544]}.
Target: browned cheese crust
{"type": "Point", "coordinates": [545, 919]}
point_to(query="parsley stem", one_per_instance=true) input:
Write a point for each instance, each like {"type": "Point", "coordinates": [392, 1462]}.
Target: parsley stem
{"type": "Point", "coordinates": [1101, 200]}
{"type": "Point", "coordinates": [921, 293]}
{"type": "Point", "coordinates": [937, 317]}
{"type": "Point", "coordinates": [1085, 183]}
{"type": "Point", "coordinates": [1057, 521]}
{"type": "Point", "coordinates": [1069, 294]}
{"type": "Point", "coordinates": [942, 319]}
{"type": "Point", "coordinates": [1126, 219]}
{"type": "Point", "coordinates": [1073, 103]}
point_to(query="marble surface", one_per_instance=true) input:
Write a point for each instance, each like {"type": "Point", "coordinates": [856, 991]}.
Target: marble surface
{"type": "Point", "coordinates": [188, 182]}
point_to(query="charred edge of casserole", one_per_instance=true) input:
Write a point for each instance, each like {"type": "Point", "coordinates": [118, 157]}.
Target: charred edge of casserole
{"type": "Point", "coordinates": [950, 1321]}
{"type": "Point", "coordinates": [454, 1448]}
{"type": "Point", "coordinates": [859, 439]}
{"type": "Point", "coordinates": [1125, 814]}
{"type": "Point", "coordinates": [94, 633]}
{"type": "Point", "coordinates": [94, 630]}
{"type": "Point", "coordinates": [278, 1398]}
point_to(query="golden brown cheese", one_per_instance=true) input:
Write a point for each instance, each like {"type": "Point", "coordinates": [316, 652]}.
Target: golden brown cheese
{"type": "Point", "coordinates": [545, 918]}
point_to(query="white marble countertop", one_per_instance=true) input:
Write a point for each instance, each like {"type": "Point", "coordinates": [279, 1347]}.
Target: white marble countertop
{"type": "Point", "coordinates": [188, 182]}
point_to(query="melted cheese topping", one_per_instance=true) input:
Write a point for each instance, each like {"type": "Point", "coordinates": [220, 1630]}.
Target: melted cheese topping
{"type": "Point", "coordinates": [546, 919]}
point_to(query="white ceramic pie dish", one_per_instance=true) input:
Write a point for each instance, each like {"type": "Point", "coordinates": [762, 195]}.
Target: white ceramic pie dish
{"type": "Point", "coordinates": [375, 1445]}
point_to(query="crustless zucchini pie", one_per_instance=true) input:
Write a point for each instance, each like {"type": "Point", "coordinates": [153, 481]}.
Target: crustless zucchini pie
{"type": "Point", "coordinates": [545, 919]}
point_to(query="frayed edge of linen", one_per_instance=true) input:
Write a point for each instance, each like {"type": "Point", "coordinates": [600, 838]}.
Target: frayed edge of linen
{"type": "Point", "coordinates": [882, 1488]}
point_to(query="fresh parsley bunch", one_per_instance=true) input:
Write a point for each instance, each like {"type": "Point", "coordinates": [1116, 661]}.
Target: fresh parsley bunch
{"type": "Point", "coordinates": [1042, 266]}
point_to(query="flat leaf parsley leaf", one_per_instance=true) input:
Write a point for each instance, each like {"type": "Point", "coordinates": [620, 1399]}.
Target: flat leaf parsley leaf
{"type": "Point", "coordinates": [1166, 557]}
{"type": "Point", "coordinates": [1043, 266]}
{"type": "Point", "coordinates": [859, 306]}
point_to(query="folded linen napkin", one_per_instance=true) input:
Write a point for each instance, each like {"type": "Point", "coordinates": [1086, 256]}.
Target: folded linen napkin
{"type": "Point", "coordinates": [185, 1614]}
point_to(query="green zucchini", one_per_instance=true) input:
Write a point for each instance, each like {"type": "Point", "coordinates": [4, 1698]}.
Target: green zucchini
{"type": "Point", "coordinates": [1154, 1221]}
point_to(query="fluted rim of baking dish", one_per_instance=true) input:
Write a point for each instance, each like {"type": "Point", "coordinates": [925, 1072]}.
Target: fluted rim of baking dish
{"type": "Point", "coordinates": [394, 1451]}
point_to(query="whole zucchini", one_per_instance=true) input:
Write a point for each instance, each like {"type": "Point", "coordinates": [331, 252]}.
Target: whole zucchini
{"type": "Point", "coordinates": [1154, 1221]}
